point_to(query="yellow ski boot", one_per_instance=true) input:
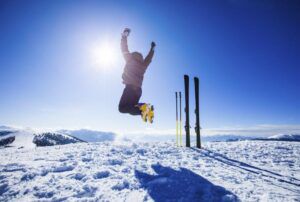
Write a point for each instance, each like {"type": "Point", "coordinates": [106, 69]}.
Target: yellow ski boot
{"type": "Point", "coordinates": [150, 114]}
{"type": "Point", "coordinates": [144, 111]}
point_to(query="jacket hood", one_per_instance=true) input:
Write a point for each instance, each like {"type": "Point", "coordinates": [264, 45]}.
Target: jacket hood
{"type": "Point", "coordinates": [137, 56]}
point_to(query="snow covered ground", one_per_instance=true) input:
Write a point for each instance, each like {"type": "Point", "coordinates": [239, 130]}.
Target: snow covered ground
{"type": "Point", "coordinates": [127, 171]}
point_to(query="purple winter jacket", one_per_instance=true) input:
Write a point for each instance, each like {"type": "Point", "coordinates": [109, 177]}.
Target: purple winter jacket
{"type": "Point", "coordinates": [135, 67]}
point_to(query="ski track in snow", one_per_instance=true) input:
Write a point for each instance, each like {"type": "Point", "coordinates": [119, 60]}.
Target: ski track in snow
{"type": "Point", "coordinates": [126, 171]}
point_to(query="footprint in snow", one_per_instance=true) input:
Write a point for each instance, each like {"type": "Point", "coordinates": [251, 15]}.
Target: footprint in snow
{"type": "Point", "coordinates": [63, 168]}
{"type": "Point", "coordinates": [39, 159]}
{"type": "Point", "coordinates": [101, 174]}
{"type": "Point", "coordinates": [78, 176]}
{"type": "Point", "coordinates": [142, 152]}
{"type": "Point", "coordinates": [84, 159]}
{"type": "Point", "coordinates": [44, 194]}
{"type": "Point", "coordinates": [2, 177]}
{"type": "Point", "coordinates": [87, 191]}
{"type": "Point", "coordinates": [115, 162]}
{"type": "Point", "coordinates": [28, 176]}
{"type": "Point", "coordinates": [3, 188]}
{"type": "Point", "coordinates": [121, 186]}
{"type": "Point", "coordinates": [13, 168]}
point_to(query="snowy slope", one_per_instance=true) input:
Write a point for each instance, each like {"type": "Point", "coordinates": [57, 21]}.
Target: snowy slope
{"type": "Point", "coordinates": [125, 171]}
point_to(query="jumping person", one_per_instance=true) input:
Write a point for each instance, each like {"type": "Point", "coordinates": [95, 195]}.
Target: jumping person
{"type": "Point", "coordinates": [133, 76]}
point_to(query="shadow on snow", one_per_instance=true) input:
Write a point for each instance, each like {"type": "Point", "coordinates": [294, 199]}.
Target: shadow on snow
{"type": "Point", "coordinates": [181, 185]}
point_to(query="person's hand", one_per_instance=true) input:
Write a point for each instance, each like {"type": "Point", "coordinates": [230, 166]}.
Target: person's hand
{"type": "Point", "coordinates": [153, 44]}
{"type": "Point", "coordinates": [126, 32]}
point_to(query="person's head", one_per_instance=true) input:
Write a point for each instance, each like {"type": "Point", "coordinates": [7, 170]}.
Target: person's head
{"type": "Point", "coordinates": [137, 56]}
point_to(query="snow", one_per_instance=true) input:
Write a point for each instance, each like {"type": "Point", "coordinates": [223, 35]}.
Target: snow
{"type": "Point", "coordinates": [6, 128]}
{"type": "Point", "coordinates": [51, 139]}
{"type": "Point", "coordinates": [27, 138]}
{"type": "Point", "coordinates": [286, 137]}
{"type": "Point", "coordinates": [90, 135]}
{"type": "Point", "coordinates": [23, 138]}
{"type": "Point", "coordinates": [127, 171]}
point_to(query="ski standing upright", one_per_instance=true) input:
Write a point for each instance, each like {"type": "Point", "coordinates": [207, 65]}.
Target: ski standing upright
{"type": "Point", "coordinates": [197, 126]}
{"type": "Point", "coordinates": [187, 112]}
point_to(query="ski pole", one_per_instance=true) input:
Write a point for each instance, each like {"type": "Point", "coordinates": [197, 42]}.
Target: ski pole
{"type": "Point", "coordinates": [176, 96]}
{"type": "Point", "coordinates": [180, 120]}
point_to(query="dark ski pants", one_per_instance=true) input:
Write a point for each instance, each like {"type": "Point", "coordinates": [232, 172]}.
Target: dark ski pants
{"type": "Point", "coordinates": [130, 99]}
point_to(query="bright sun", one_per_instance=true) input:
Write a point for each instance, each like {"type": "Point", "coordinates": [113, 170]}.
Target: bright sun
{"type": "Point", "coordinates": [104, 55]}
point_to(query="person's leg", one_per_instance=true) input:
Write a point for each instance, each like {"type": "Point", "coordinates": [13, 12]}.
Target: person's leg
{"type": "Point", "coordinates": [125, 100]}
{"type": "Point", "coordinates": [136, 105]}
{"type": "Point", "coordinates": [129, 100]}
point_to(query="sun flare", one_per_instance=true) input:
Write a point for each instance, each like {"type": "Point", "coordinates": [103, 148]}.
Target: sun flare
{"type": "Point", "coordinates": [104, 55]}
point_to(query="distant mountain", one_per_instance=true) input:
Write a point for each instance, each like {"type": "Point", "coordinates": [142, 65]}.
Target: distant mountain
{"type": "Point", "coordinates": [204, 138]}
{"type": "Point", "coordinates": [51, 139]}
{"type": "Point", "coordinates": [5, 133]}
{"type": "Point", "coordinates": [6, 128]}
{"type": "Point", "coordinates": [30, 138]}
{"type": "Point", "coordinates": [282, 137]}
{"type": "Point", "coordinates": [7, 141]}
{"type": "Point", "coordinates": [6, 137]}
{"type": "Point", "coordinates": [232, 138]}
{"type": "Point", "coordinates": [285, 137]}
{"type": "Point", "coordinates": [27, 138]}
{"type": "Point", "coordinates": [90, 135]}
{"type": "Point", "coordinates": [225, 138]}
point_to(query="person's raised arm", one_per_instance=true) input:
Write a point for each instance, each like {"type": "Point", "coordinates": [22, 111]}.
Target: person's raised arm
{"type": "Point", "coordinates": [124, 45]}
{"type": "Point", "coordinates": [149, 57]}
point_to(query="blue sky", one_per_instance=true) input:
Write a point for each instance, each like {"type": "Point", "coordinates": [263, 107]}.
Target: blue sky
{"type": "Point", "coordinates": [246, 53]}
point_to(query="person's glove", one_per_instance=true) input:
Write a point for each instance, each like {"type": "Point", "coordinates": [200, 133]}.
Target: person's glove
{"type": "Point", "coordinates": [153, 45]}
{"type": "Point", "coordinates": [126, 32]}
